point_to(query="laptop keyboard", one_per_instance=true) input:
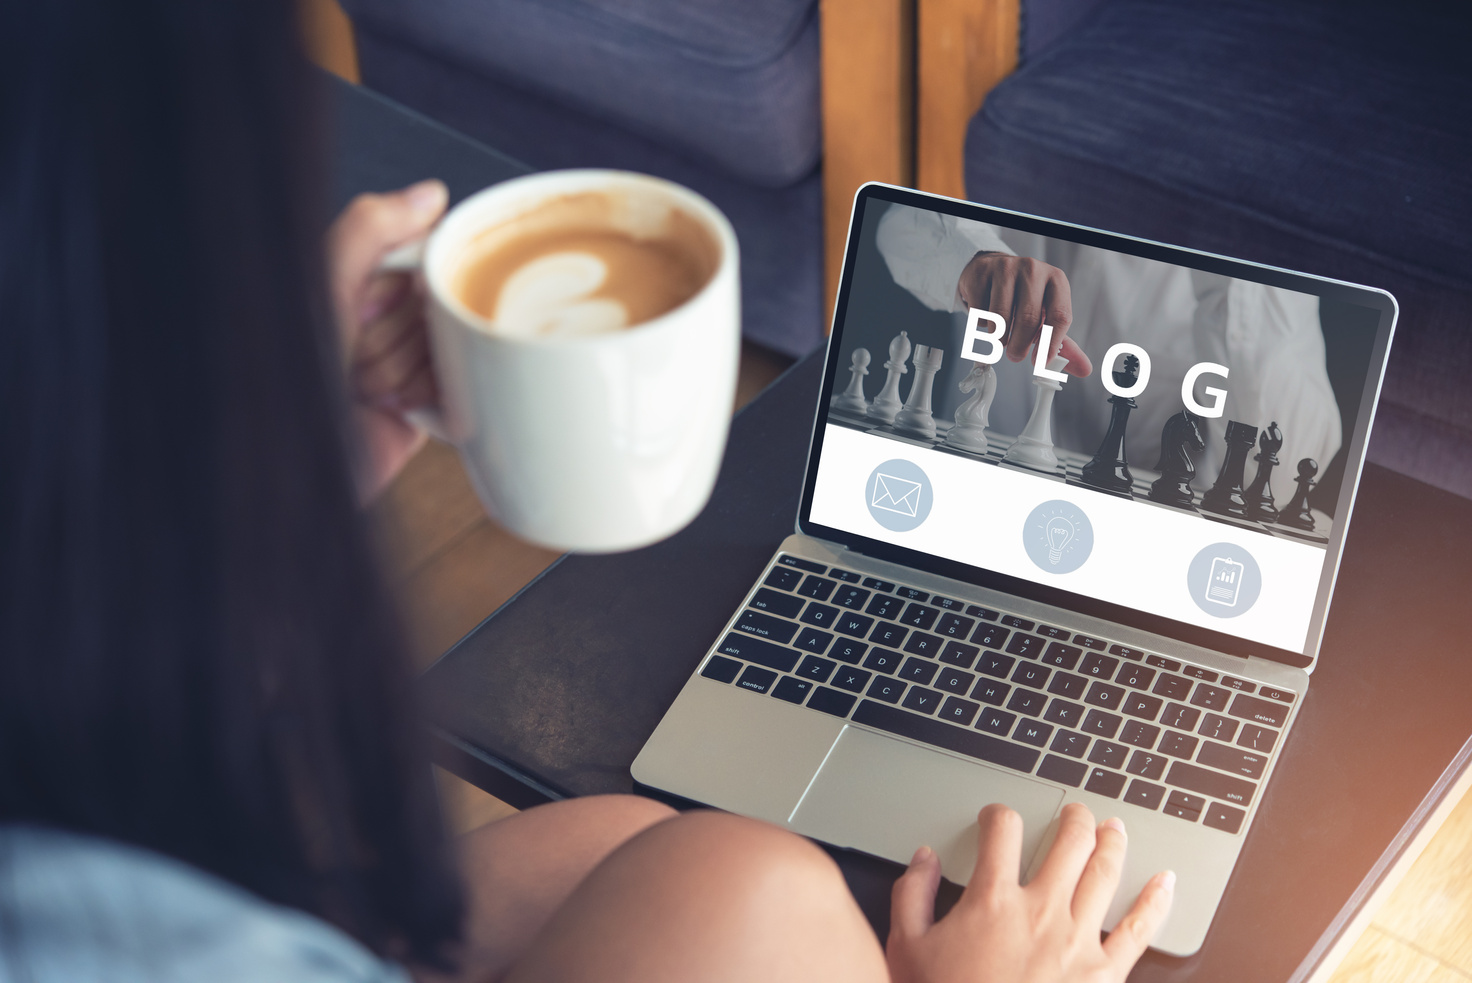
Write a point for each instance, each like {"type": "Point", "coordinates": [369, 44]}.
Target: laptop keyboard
{"type": "Point", "coordinates": [1068, 708]}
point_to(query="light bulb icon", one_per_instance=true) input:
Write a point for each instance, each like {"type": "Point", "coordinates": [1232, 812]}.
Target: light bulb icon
{"type": "Point", "coordinates": [1060, 533]}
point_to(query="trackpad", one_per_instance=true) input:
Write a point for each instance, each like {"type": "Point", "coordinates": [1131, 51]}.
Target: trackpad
{"type": "Point", "coordinates": [888, 797]}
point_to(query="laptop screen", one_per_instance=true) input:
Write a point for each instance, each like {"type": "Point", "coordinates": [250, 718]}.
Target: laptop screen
{"type": "Point", "coordinates": [1156, 436]}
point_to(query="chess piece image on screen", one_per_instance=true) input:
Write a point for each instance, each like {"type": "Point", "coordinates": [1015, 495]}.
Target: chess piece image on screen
{"type": "Point", "coordinates": [1298, 514]}
{"type": "Point", "coordinates": [1225, 497]}
{"type": "Point", "coordinates": [852, 400]}
{"type": "Point", "coordinates": [1034, 446]}
{"type": "Point", "coordinates": [969, 432]}
{"type": "Point", "coordinates": [1259, 494]}
{"type": "Point", "coordinates": [914, 419]}
{"type": "Point", "coordinates": [887, 403]}
{"type": "Point", "coordinates": [1179, 439]}
{"type": "Point", "coordinates": [1108, 469]}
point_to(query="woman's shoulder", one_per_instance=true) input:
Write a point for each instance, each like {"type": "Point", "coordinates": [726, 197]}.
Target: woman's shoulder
{"type": "Point", "coordinates": [76, 907]}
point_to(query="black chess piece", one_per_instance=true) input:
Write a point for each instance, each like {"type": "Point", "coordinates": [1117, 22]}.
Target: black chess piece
{"type": "Point", "coordinates": [1259, 494]}
{"type": "Point", "coordinates": [1179, 439]}
{"type": "Point", "coordinates": [1225, 497]}
{"type": "Point", "coordinates": [1108, 469]}
{"type": "Point", "coordinates": [1298, 514]}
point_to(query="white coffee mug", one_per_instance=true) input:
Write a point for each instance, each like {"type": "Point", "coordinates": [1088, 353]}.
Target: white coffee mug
{"type": "Point", "coordinates": [598, 443]}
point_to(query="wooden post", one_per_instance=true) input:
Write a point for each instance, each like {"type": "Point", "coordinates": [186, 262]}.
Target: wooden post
{"type": "Point", "coordinates": [328, 36]}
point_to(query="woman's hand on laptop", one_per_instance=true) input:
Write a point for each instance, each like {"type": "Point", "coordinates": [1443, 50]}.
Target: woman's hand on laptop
{"type": "Point", "coordinates": [1046, 932]}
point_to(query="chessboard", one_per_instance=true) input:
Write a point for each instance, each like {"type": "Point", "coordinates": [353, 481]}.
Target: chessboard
{"type": "Point", "coordinates": [1071, 472]}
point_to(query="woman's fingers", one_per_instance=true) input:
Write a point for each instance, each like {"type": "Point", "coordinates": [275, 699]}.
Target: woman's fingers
{"type": "Point", "coordinates": [912, 902]}
{"type": "Point", "coordinates": [1071, 849]}
{"type": "Point", "coordinates": [1128, 941]}
{"type": "Point", "coordinates": [370, 227]}
{"type": "Point", "coordinates": [998, 850]}
{"type": "Point", "coordinates": [1100, 878]}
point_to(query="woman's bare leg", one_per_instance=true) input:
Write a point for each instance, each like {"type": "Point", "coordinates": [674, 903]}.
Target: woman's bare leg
{"type": "Point", "coordinates": [708, 897]}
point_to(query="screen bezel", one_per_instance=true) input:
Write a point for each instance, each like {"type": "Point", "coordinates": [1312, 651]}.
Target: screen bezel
{"type": "Point", "coordinates": [1323, 287]}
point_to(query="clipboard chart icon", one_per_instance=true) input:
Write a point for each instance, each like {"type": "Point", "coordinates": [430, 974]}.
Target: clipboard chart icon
{"type": "Point", "coordinates": [1224, 580]}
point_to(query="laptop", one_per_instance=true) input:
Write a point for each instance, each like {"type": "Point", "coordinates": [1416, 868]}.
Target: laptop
{"type": "Point", "coordinates": [1094, 570]}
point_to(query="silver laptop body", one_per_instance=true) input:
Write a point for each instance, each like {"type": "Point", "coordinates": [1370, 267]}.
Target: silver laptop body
{"type": "Point", "coordinates": [1006, 586]}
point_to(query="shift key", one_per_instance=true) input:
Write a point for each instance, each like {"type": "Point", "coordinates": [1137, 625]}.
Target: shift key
{"type": "Point", "coordinates": [766, 626]}
{"type": "Point", "coordinates": [1263, 711]}
{"type": "Point", "coordinates": [755, 650]}
{"type": "Point", "coordinates": [1211, 783]}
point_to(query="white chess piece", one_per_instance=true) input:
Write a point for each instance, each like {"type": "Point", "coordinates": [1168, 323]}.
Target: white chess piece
{"type": "Point", "coordinates": [915, 419]}
{"type": "Point", "coordinates": [969, 432]}
{"type": "Point", "coordinates": [852, 400]}
{"type": "Point", "coordinates": [887, 403]}
{"type": "Point", "coordinates": [1034, 446]}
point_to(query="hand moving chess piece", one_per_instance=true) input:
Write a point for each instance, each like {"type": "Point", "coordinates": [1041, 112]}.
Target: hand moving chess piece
{"type": "Point", "coordinates": [1108, 469]}
{"type": "Point", "coordinates": [915, 419]}
{"type": "Point", "coordinates": [1225, 497]}
{"type": "Point", "coordinates": [1259, 494]}
{"type": "Point", "coordinates": [1034, 446]}
{"type": "Point", "coordinates": [1299, 514]}
{"type": "Point", "coordinates": [1179, 439]}
{"type": "Point", "coordinates": [887, 403]}
{"type": "Point", "coordinates": [852, 400]}
{"type": "Point", "coordinates": [969, 432]}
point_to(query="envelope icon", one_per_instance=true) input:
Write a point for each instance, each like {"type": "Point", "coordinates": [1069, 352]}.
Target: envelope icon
{"type": "Point", "coordinates": [893, 494]}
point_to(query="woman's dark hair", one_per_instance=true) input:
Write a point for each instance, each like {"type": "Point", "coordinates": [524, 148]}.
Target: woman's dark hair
{"type": "Point", "coordinates": [196, 652]}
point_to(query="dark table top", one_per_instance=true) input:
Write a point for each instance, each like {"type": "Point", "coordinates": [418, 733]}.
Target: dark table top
{"type": "Point", "coordinates": [555, 693]}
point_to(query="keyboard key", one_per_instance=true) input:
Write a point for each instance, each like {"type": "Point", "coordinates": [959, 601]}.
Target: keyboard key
{"type": "Point", "coordinates": [1126, 652]}
{"type": "Point", "coordinates": [954, 680]}
{"type": "Point", "coordinates": [755, 650]}
{"type": "Point", "coordinates": [1262, 711]}
{"type": "Point", "coordinates": [959, 654]}
{"type": "Point", "coordinates": [1224, 817]}
{"type": "Point", "coordinates": [1273, 693]}
{"type": "Point", "coordinates": [766, 626]}
{"type": "Point", "coordinates": [1063, 771]}
{"type": "Point", "coordinates": [918, 671]}
{"type": "Point", "coordinates": [1032, 732]}
{"type": "Point", "coordinates": [911, 594]}
{"type": "Point", "coordinates": [773, 602]}
{"type": "Point", "coordinates": [1227, 758]}
{"type": "Point", "coordinates": [720, 669]}
{"type": "Point", "coordinates": [1241, 685]}
{"type": "Point", "coordinates": [886, 634]}
{"type": "Point", "coordinates": [886, 689]}
{"type": "Point", "coordinates": [1178, 745]}
{"type": "Point", "coordinates": [1101, 724]}
{"type": "Point", "coordinates": [783, 579]}
{"type": "Point", "coordinates": [757, 680]}
{"type": "Point", "coordinates": [1217, 728]}
{"type": "Point", "coordinates": [1139, 734]}
{"type": "Point", "coordinates": [847, 576]}
{"type": "Point", "coordinates": [882, 660]}
{"type": "Point", "coordinates": [983, 747]}
{"type": "Point", "coordinates": [1069, 685]}
{"type": "Point", "coordinates": [990, 691]}
{"type": "Point", "coordinates": [1069, 743]}
{"type": "Point", "coordinates": [1064, 714]}
{"type": "Point", "coordinates": [1183, 806]}
{"type": "Point", "coordinates": [1172, 687]}
{"type": "Point", "coordinates": [947, 603]}
{"type": "Point", "coordinates": [1109, 755]}
{"type": "Point", "coordinates": [1031, 674]}
{"type": "Point", "coordinates": [851, 679]}
{"type": "Point", "coordinates": [1048, 631]}
{"type": "Point", "coordinates": [832, 701]}
{"type": "Point", "coordinates": [874, 583]}
{"type": "Point", "coordinates": [1142, 706]}
{"type": "Point", "coordinates": [1106, 696]}
{"type": "Point", "coordinates": [818, 588]}
{"type": "Point", "coordinates": [1099, 666]}
{"type": "Point", "coordinates": [1161, 662]}
{"type": "Point", "coordinates": [1062, 656]}
{"type": "Point", "coordinates": [813, 640]}
{"type": "Point", "coordinates": [995, 664]}
{"type": "Point", "coordinates": [1027, 646]}
{"type": "Point", "coordinates": [954, 626]}
{"type": "Point", "coordinates": [920, 643]}
{"type": "Point", "coordinates": [1107, 783]}
{"type": "Point", "coordinates": [855, 625]}
{"type": "Point", "coordinates": [822, 615]}
{"type": "Point", "coordinates": [921, 699]}
{"type": "Point", "coordinates": [852, 598]}
{"type": "Point", "coordinates": [1028, 702]}
{"type": "Point", "coordinates": [1090, 643]}
{"type": "Point", "coordinates": [985, 614]}
{"type": "Point", "coordinates": [1012, 621]}
{"type": "Point", "coordinates": [1211, 697]}
{"type": "Point", "coordinates": [1210, 783]}
{"type": "Point", "coordinates": [992, 636]}
{"type": "Point", "coordinates": [885, 606]}
{"type": "Point", "coordinates": [816, 669]}
{"type": "Point", "coordinates": [1137, 677]}
{"type": "Point", "coordinates": [995, 721]}
{"type": "Point", "coordinates": [846, 650]}
{"type": "Point", "coordinates": [1146, 765]}
{"type": "Point", "coordinates": [958, 711]}
{"type": "Point", "coordinates": [1197, 672]}
{"type": "Point", "coordinates": [1144, 795]}
{"type": "Point", "coordinates": [1180, 717]}
{"type": "Point", "coordinates": [808, 565]}
{"type": "Point", "coordinates": [920, 616]}
{"type": "Point", "coordinates": [792, 689]}
{"type": "Point", "coordinates": [1257, 738]}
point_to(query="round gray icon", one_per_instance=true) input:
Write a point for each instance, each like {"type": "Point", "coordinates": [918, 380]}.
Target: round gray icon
{"type": "Point", "coordinates": [1224, 580]}
{"type": "Point", "coordinates": [1058, 536]}
{"type": "Point", "coordinates": [898, 495]}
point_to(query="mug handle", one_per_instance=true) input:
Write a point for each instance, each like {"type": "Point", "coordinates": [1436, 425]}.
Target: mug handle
{"type": "Point", "coordinates": [409, 258]}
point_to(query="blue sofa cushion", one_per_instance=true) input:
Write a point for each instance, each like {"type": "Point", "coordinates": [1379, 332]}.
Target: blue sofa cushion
{"type": "Point", "coordinates": [732, 84]}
